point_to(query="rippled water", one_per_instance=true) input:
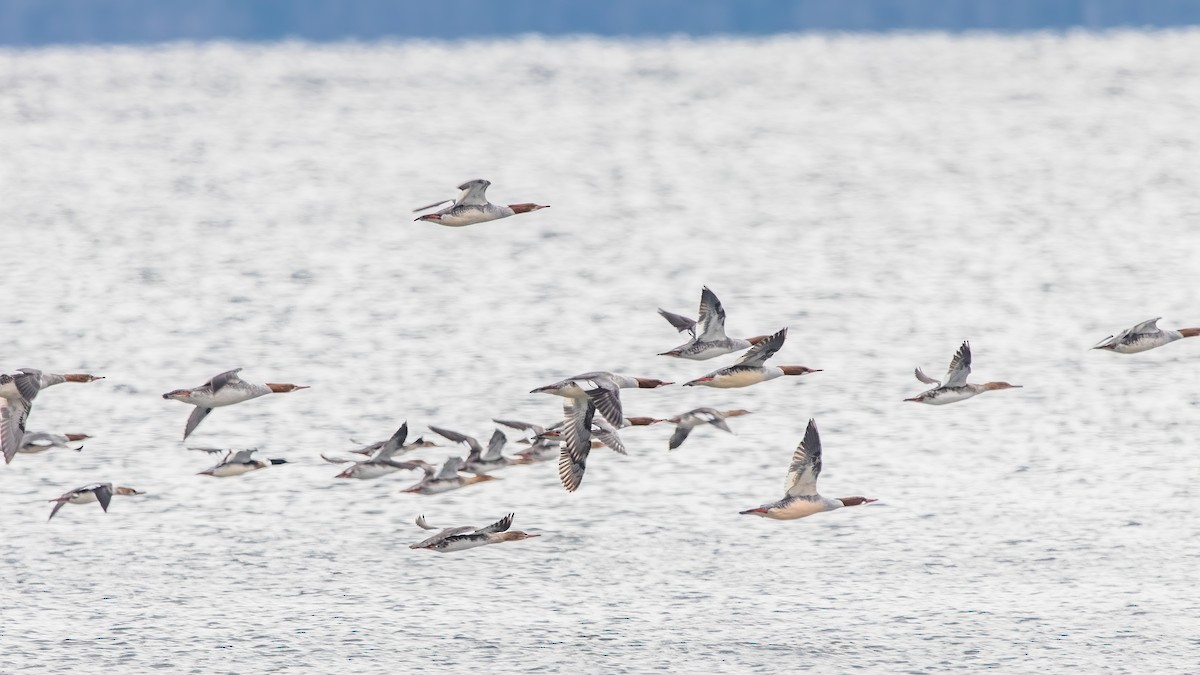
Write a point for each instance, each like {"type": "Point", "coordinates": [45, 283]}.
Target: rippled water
{"type": "Point", "coordinates": [172, 212]}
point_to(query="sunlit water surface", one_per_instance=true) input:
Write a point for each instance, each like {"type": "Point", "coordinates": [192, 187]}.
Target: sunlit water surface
{"type": "Point", "coordinates": [172, 212]}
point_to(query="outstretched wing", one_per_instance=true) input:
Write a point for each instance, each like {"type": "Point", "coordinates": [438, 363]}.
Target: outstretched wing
{"type": "Point", "coordinates": [12, 426]}
{"type": "Point", "coordinates": [577, 436]}
{"type": "Point", "coordinates": [501, 525]}
{"type": "Point", "coordinates": [522, 426]}
{"type": "Point", "coordinates": [680, 322]}
{"type": "Point", "coordinates": [495, 445]}
{"type": "Point", "coordinates": [925, 378]}
{"type": "Point", "coordinates": [476, 449]}
{"type": "Point", "coordinates": [424, 525]}
{"type": "Point", "coordinates": [607, 434]}
{"type": "Point", "coordinates": [806, 464]}
{"type": "Point", "coordinates": [104, 495]}
{"type": "Point", "coordinates": [759, 353]}
{"type": "Point", "coordinates": [392, 445]}
{"type": "Point", "coordinates": [473, 193]}
{"type": "Point", "coordinates": [440, 536]}
{"type": "Point", "coordinates": [195, 419]}
{"type": "Point", "coordinates": [960, 367]}
{"type": "Point", "coordinates": [449, 469]}
{"type": "Point", "coordinates": [607, 399]}
{"type": "Point", "coordinates": [680, 435]}
{"type": "Point", "coordinates": [711, 324]}
{"type": "Point", "coordinates": [28, 383]}
{"type": "Point", "coordinates": [431, 206]}
{"type": "Point", "coordinates": [219, 381]}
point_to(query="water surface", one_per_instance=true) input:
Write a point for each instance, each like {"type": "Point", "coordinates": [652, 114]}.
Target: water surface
{"type": "Point", "coordinates": [172, 212]}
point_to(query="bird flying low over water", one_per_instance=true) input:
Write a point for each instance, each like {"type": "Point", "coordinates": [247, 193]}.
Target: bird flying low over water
{"type": "Point", "coordinates": [222, 390]}
{"type": "Point", "coordinates": [1144, 336]}
{"type": "Point", "coordinates": [238, 463]}
{"type": "Point", "coordinates": [96, 492]}
{"type": "Point", "coordinates": [602, 388]}
{"type": "Point", "coordinates": [480, 460]}
{"type": "Point", "coordinates": [708, 334]}
{"type": "Point", "coordinates": [462, 538]}
{"type": "Point", "coordinates": [700, 416]}
{"type": "Point", "coordinates": [802, 498]}
{"type": "Point", "coordinates": [954, 387]}
{"type": "Point", "coordinates": [17, 392]}
{"type": "Point", "coordinates": [751, 368]}
{"type": "Point", "coordinates": [472, 207]}
{"type": "Point", "coordinates": [445, 479]}
{"type": "Point", "coordinates": [41, 441]}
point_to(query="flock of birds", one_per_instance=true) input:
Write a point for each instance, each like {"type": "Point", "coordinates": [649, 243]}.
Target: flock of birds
{"type": "Point", "coordinates": [593, 415]}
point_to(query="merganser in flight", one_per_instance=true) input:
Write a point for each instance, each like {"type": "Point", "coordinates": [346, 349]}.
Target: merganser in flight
{"type": "Point", "coordinates": [472, 207]}
{"type": "Point", "coordinates": [954, 387]}
{"type": "Point", "coordinates": [17, 391]}
{"type": "Point", "coordinates": [710, 340]}
{"type": "Point", "coordinates": [236, 464]}
{"type": "Point", "coordinates": [602, 388]}
{"type": "Point", "coordinates": [580, 425]}
{"type": "Point", "coordinates": [222, 390]}
{"type": "Point", "coordinates": [480, 461]}
{"type": "Point", "coordinates": [543, 445]}
{"type": "Point", "coordinates": [750, 369]}
{"type": "Point", "coordinates": [802, 498]}
{"type": "Point", "coordinates": [462, 538]}
{"type": "Point", "coordinates": [446, 479]}
{"type": "Point", "coordinates": [96, 492]}
{"type": "Point", "coordinates": [41, 441]}
{"type": "Point", "coordinates": [693, 418]}
{"type": "Point", "coordinates": [381, 463]}
{"type": "Point", "coordinates": [1144, 336]}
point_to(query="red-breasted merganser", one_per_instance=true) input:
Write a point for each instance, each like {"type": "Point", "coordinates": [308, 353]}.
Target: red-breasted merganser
{"type": "Point", "coordinates": [480, 461]}
{"type": "Point", "coordinates": [96, 492]}
{"type": "Point", "coordinates": [1144, 336]}
{"type": "Point", "coordinates": [462, 538]}
{"type": "Point", "coordinates": [580, 424]}
{"type": "Point", "coordinates": [693, 418]}
{"type": "Point", "coordinates": [472, 207]}
{"type": "Point", "coordinates": [802, 498]}
{"type": "Point", "coordinates": [750, 369]}
{"type": "Point", "coordinates": [238, 463]}
{"type": "Point", "coordinates": [222, 390]}
{"type": "Point", "coordinates": [381, 463]}
{"type": "Point", "coordinates": [708, 335]}
{"type": "Point", "coordinates": [602, 388]}
{"type": "Point", "coordinates": [17, 391]}
{"type": "Point", "coordinates": [41, 441]}
{"type": "Point", "coordinates": [954, 387]}
{"type": "Point", "coordinates": [446, 479]}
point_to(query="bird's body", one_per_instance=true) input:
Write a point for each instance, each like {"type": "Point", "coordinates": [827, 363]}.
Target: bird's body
{"type": "Point", "coordinates": [445, 479]}
{"type": "Point", "coordinates": [223, 390]}
{"type": "Point", "coordinates": [481, 461]}
{"type": "Point", "coordinates": [751, 368]}
{"type": "Point", "coordinates": [95, 492]}
{"type": "Point", "coordinates": [41, 441]}
{"type": "Point", "coordinates": [1144, 337]}
{"type": "Point", "coordinates": [238, 463]}
{"type": "Point", "coordinates": [454, 539]}
{"type": "Point", "coordinates": [700, 416]}
{"type": "Point", "coordinates": [381, 463]}
{"type": "Point", "coordinates": [472, 207]}
{"type": "Point", "coordinates": [708, 333]}
{"type": "Point", "coordinates": [801, 498]}
{"type": "Point", "coordinates": [954, 387]}
{"type": "Point", "coordinates": [17, 392]}
{"type": "Point", "coordinates": [602, 388]}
